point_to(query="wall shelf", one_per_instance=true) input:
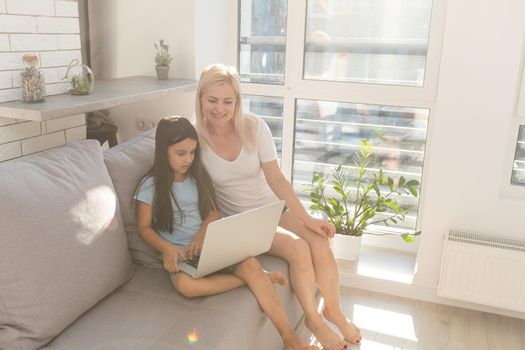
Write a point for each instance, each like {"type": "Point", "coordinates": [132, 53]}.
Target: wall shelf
{"type": "Point", "coordinates": [106, 94]}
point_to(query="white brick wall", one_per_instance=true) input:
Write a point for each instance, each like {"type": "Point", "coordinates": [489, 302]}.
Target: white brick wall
{"type": "Point", "coordinates": [41, 143]}
{"type": "Point", "coordinates": [76, 134]}
{"type": "Point", "coordinates": [66, 8]}
{"type": "Point", "coordinates": [50, 29]}
{"type": "Point", "coordinates": [68, 42]}
{"type": "Point", "coordinates": [5, 80]}
{"type": "Point", "coordinates": [10, 150]}
{"type": "Point", "coordinates": [57, 25]}
{"type": "Point", "coordinates": [57, 58]}
{"type": "Point", "coordinates": [4, 42]}
{"type": "Point", "coordinates": [65, 123]}
{"type": "Point", "coordinates": [31, 7]}
{"type": "Point", "coordinates": [17, 24]}
{"type": "Point", "coordinates": [33, 42]}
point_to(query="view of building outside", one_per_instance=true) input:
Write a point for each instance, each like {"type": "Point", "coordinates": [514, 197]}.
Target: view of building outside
{"type": "Point", "coordinates": [518, 170]}
{"type": "Point", "coordinates": [262, 41]}
{"type": "Point", "coordinates": [380, 41]}
{"type": "Point", "coordinates": [271, 110]}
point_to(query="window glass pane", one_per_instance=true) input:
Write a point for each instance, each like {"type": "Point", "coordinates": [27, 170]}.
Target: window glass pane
{"type": "Point", "coordinates": [262, 41]}
{"type": "Point", "coordinates": [369, 41]}
{"type": "Point", "coordinates": [271, 110]}
{"type": "Point", "coordinates": [328, 134]}
{"type": "Point", "coordinates": [518, 170]}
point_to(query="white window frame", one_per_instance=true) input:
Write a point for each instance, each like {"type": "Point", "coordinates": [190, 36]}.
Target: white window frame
{"type": "Point", "coordinates": [507, 189]}
{"type": "Point", "coordinates": [296, 88]}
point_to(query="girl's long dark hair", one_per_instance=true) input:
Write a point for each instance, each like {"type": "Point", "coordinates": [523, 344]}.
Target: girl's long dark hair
{"type": "Point", "coordinates": [172, 130]}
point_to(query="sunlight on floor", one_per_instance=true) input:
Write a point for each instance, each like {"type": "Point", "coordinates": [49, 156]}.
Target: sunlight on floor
{"type": "Point", "coordinates": [391, 323]}
{"type": "Point", "coordinates": [379, 328]}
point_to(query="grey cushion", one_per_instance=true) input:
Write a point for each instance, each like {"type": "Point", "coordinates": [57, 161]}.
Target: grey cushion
{"type": "Point", "coordinates": [127, 163]}
{"type": "Point", "coordinates": [147, 313]}
{"type": "Point", "coordinates": [62, 242]}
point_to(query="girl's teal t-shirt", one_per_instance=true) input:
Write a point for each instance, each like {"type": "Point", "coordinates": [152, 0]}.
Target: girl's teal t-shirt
{"type": "Point", "coordinates": [187, 196]}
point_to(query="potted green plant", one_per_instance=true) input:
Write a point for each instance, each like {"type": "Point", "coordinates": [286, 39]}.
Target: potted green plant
{"type": "Point", "coordinates": [162, 60]}
{"type": "Point", "coordinates": [356, 204]}
{"type": "Point", "coordinates": [81, 78]}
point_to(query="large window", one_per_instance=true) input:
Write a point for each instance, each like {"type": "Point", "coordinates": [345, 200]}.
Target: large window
{"type": "Point", "coordinates": [325, 74]}
{"type": "Point", "coordinates": [518, 170]}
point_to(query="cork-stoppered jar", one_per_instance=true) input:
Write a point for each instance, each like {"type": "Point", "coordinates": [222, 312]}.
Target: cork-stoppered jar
{"type": "Point", "coordinates": [32, 80]}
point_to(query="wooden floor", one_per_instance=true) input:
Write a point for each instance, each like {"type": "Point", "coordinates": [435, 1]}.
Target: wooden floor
{"type": "Point", "coordinates": [389, 322]}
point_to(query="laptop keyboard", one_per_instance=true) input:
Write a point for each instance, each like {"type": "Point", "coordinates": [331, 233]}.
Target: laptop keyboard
{"type": "Point", "coordinates": [193, 262]}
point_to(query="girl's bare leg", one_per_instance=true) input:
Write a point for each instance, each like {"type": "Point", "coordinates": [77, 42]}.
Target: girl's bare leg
{"type": "Point", "coordinates": [210, 285]}
{"type": "Point", "coordinates": [261, 286]}
{"type": "Point", "coordinates": [327, 277]}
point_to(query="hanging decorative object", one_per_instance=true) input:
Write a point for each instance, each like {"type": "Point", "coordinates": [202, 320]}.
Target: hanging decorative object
{"type": "Point", "coordinates": [32, 80]}
{"type": "Point", "coordinates": [82, 79]}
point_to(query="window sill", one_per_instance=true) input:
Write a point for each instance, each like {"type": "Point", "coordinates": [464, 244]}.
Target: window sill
{"type": "Point", "coordinates": [381, 263]}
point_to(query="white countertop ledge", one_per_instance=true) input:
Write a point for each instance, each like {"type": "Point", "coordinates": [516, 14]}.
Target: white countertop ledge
{"type": "Point", "coordinates": [106, 94]}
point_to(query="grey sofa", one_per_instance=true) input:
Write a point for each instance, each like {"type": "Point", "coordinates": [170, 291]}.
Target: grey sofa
{"type": "Point", "coordinates": [75, 275]}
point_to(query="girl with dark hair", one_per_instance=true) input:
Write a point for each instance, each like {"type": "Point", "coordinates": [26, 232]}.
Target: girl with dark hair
{"type": "Point", "coordinates": [175, 203]}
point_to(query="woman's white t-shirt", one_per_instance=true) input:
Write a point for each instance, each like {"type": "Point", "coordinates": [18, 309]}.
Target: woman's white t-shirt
{"type": "Point", "coordinates": [240, 184]}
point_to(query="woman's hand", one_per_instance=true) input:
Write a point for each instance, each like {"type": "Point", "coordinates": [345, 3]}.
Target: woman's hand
{"type": "Point", "coordinates": [321, 227]}
{"type": "Point", "coordinates": [170, 257]}
{"type": "Point", "coordinates": [195, 246]}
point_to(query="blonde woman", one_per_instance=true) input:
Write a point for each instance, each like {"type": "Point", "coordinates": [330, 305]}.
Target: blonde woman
{"type": "Point", "coordinates": [239, 154]}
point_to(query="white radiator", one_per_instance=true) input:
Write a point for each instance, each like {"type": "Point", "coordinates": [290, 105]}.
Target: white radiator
{"type": "Point", "coordinates": [483, 269]}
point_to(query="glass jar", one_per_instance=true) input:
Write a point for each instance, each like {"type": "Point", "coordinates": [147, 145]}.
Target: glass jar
{"type": "Point", "coordinates": [32, 80]}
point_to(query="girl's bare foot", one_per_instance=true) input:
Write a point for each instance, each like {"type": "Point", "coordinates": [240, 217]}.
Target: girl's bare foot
{"type": "Point", "coordinates": [349, 330]}
{"type": "Point", "coordinates": [324, 335]}
{"type": "Point", "coordinates": [277, 278]}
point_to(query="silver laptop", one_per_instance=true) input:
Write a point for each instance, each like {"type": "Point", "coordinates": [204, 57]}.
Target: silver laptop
{"type": "Point", "coordinates": [235, 238]}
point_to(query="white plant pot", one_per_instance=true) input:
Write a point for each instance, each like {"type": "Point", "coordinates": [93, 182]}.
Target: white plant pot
{"type": "Point", "coordinates": [346, 247]}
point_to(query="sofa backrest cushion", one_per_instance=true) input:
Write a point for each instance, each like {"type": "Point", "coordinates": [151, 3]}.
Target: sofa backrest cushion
{"type": "Point", "coordinates": [127, 163]}
{"type": "Point", "coordinates": [62, 242]}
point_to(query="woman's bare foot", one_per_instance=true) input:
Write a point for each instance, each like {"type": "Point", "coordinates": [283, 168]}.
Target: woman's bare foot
{"type": "Point", "coordinates": [293, 342]}
{"type": "Point", "coordinates": [349, 330]}
{"type": "Point", "coordinates": [277, 278]}
{"type": "Point", "coordinates": [324, 335]}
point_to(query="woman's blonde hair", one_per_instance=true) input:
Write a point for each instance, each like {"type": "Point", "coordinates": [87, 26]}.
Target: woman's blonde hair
{"type": "Point", "coordinates": [245, 124]}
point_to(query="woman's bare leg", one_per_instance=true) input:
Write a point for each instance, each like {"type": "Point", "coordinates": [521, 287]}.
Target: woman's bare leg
{"type": "Point", "coordinates": [261, 286]}
{"type": "Point", "coordinates": [327, 276]}
{"type": "Point", "coordinates": [302, 276]}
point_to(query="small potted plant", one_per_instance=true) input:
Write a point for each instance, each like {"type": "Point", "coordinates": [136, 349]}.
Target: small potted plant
{"type": "Point", "coordinates": [361, 202]}
{"type": "Point", "coordinates": [162, 60]}
{"type": "Point", "coordinates": [82, 79]}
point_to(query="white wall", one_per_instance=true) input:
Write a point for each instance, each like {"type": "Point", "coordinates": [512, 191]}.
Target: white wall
{"type": "Point", "coordinates": [214, 24]}
{"type": "Point", "coordinates": [122, 37]}
{"type": "Point", "coordinates": [483, 51]}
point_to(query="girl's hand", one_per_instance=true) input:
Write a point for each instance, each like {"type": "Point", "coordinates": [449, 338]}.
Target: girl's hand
{"type": "Point", "coordinates": [170, 257]}
{"type": "Point", "coordinates": [195, 246]}
{"type": "Point", "coordinates": [321, 227]}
